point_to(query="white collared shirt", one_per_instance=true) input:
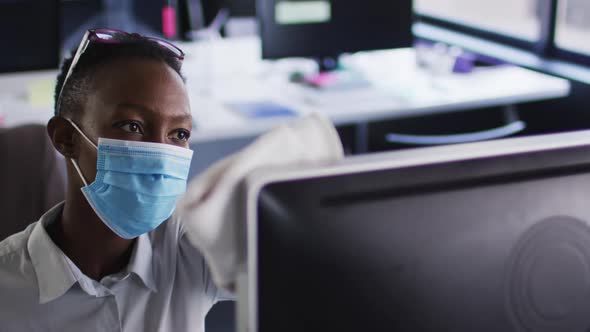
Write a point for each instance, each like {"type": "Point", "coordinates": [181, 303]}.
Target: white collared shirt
{"type": "Point", "coordinates": [165, 287]}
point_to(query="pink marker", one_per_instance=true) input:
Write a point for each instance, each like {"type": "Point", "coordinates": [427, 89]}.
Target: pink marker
{"type": "Point", "coordinates": [169, 21]}
{"type": "Point", "coordinates": [322, 79]}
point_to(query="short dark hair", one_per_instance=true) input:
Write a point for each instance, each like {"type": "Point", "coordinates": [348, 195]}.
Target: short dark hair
{"type": "Point", "coordinates": [97, 55]}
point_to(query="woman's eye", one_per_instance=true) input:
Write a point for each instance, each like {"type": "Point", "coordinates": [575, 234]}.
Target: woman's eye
{"type": "Point", "coordinates": [181, 135]}
{"type": "Point", "coordinates": [131, 127]}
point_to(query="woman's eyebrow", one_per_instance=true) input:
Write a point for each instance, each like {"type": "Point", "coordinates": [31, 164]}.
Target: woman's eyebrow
{"type": "Point", "coordinates": [136, 106]}
{"type": "Point", "coordinates": [181, 117]}
{"type": "Point", "coordinates": [177, 117]}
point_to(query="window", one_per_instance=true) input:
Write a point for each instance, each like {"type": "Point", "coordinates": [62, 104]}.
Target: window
{"type": "Point", "coordinates": [573, 26]}
{"type": "Point", "coordinates": [515, 18]}
{"type": "Point", "coordinates": [548, 29]}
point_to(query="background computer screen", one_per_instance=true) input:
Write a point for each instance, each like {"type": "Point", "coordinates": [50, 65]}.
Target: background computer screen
{"type": "Point", "coordinates": [495, 244]}
{"type": "Point", "coordinates": [322, 28]}
{"type": "Point", "coordinates": [242, 8]}
{"type": "Point", "coordinates": [30, 35]}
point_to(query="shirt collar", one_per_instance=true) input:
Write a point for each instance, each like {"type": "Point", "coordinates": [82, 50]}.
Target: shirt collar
{"type": "Point", "coordinates": [141, 261]}
{"type": "Point", "coordinates": [54, 276]}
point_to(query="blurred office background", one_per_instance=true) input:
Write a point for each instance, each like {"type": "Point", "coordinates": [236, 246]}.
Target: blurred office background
{"type": "Point", "coordinates": [544, 36]}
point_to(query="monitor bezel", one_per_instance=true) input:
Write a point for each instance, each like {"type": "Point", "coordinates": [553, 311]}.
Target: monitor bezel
{"type": "Point", "coordinates": [535, 155]}
{"type": "Point", "coordinates": [264, 16]}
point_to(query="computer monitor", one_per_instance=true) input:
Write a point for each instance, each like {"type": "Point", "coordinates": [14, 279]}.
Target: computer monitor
{"type": "Point", "coordinates": [325, 29]}
{"type": "Point", "coordinates": [242, 8]}
{"type": "Point", "coordinates": [483, 237]}
{"type": "Point", "coordinates": [30, 35]}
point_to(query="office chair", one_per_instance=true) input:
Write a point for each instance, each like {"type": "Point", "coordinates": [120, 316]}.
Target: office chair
{"type": "Point", "coordinates": [32, 177]}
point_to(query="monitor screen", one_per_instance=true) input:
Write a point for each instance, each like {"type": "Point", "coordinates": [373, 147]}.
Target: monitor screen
{"type": "Point", "coordinates": [486, 237]}
{"type": "Point", "coordinates": [328, 28]}
{"type": "Point", "coordinates": [30, 37]}
{"type": "Point", "coordinates": [242, 8]}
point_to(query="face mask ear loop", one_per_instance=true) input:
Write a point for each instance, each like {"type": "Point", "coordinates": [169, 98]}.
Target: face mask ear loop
{"type": "Point", "coordinates": [72, 160]}
{"type": "Point", "coordinates": [81, 133]}
{"type": "Point", "coordinates": [79, 172]}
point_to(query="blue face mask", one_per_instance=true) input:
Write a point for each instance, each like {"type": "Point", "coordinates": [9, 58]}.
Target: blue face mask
{"type": "Point", "coordinates": [137, 183]}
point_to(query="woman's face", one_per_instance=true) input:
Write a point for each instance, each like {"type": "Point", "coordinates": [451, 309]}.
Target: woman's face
{"type": "Point", "coordinates": [137, 100]}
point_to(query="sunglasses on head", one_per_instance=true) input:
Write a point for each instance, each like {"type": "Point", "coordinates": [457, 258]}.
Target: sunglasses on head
{"type": "Point", "coordinates": [112, 36]}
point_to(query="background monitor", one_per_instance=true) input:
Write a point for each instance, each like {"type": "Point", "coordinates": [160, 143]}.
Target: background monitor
{"type": "Point", "coordinates": [329, 28]}
{"type": "Point", "coordinates": [30, 35]}
{"type": "Point", "coordinates": [144, 17]}
{"type": "Point", "coordinates": [485, 237]}
{"type": "Point", "coordinates": [242, 8]}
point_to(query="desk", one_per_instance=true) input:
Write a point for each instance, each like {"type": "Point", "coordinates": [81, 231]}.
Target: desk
{"type": "Point", "coordinates": [231, 70]}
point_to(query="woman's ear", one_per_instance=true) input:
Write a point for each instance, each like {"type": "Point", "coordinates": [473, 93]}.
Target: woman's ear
{"type": "Point", "coordinates": [62, 135]}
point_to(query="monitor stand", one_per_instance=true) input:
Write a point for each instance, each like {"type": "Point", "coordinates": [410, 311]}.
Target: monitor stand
{"type": "Point", "coordinates": [333, 76]}
{"type": "Point", "coordinates": [328, 63]}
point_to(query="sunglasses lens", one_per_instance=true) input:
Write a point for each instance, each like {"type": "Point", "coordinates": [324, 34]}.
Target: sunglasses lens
{"type": "Point", "coordinates": [115, 36]}
{"type": "Point", "coordinates": [166, 45]}
{"type": "Point", "coordinates": [105, 36]}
